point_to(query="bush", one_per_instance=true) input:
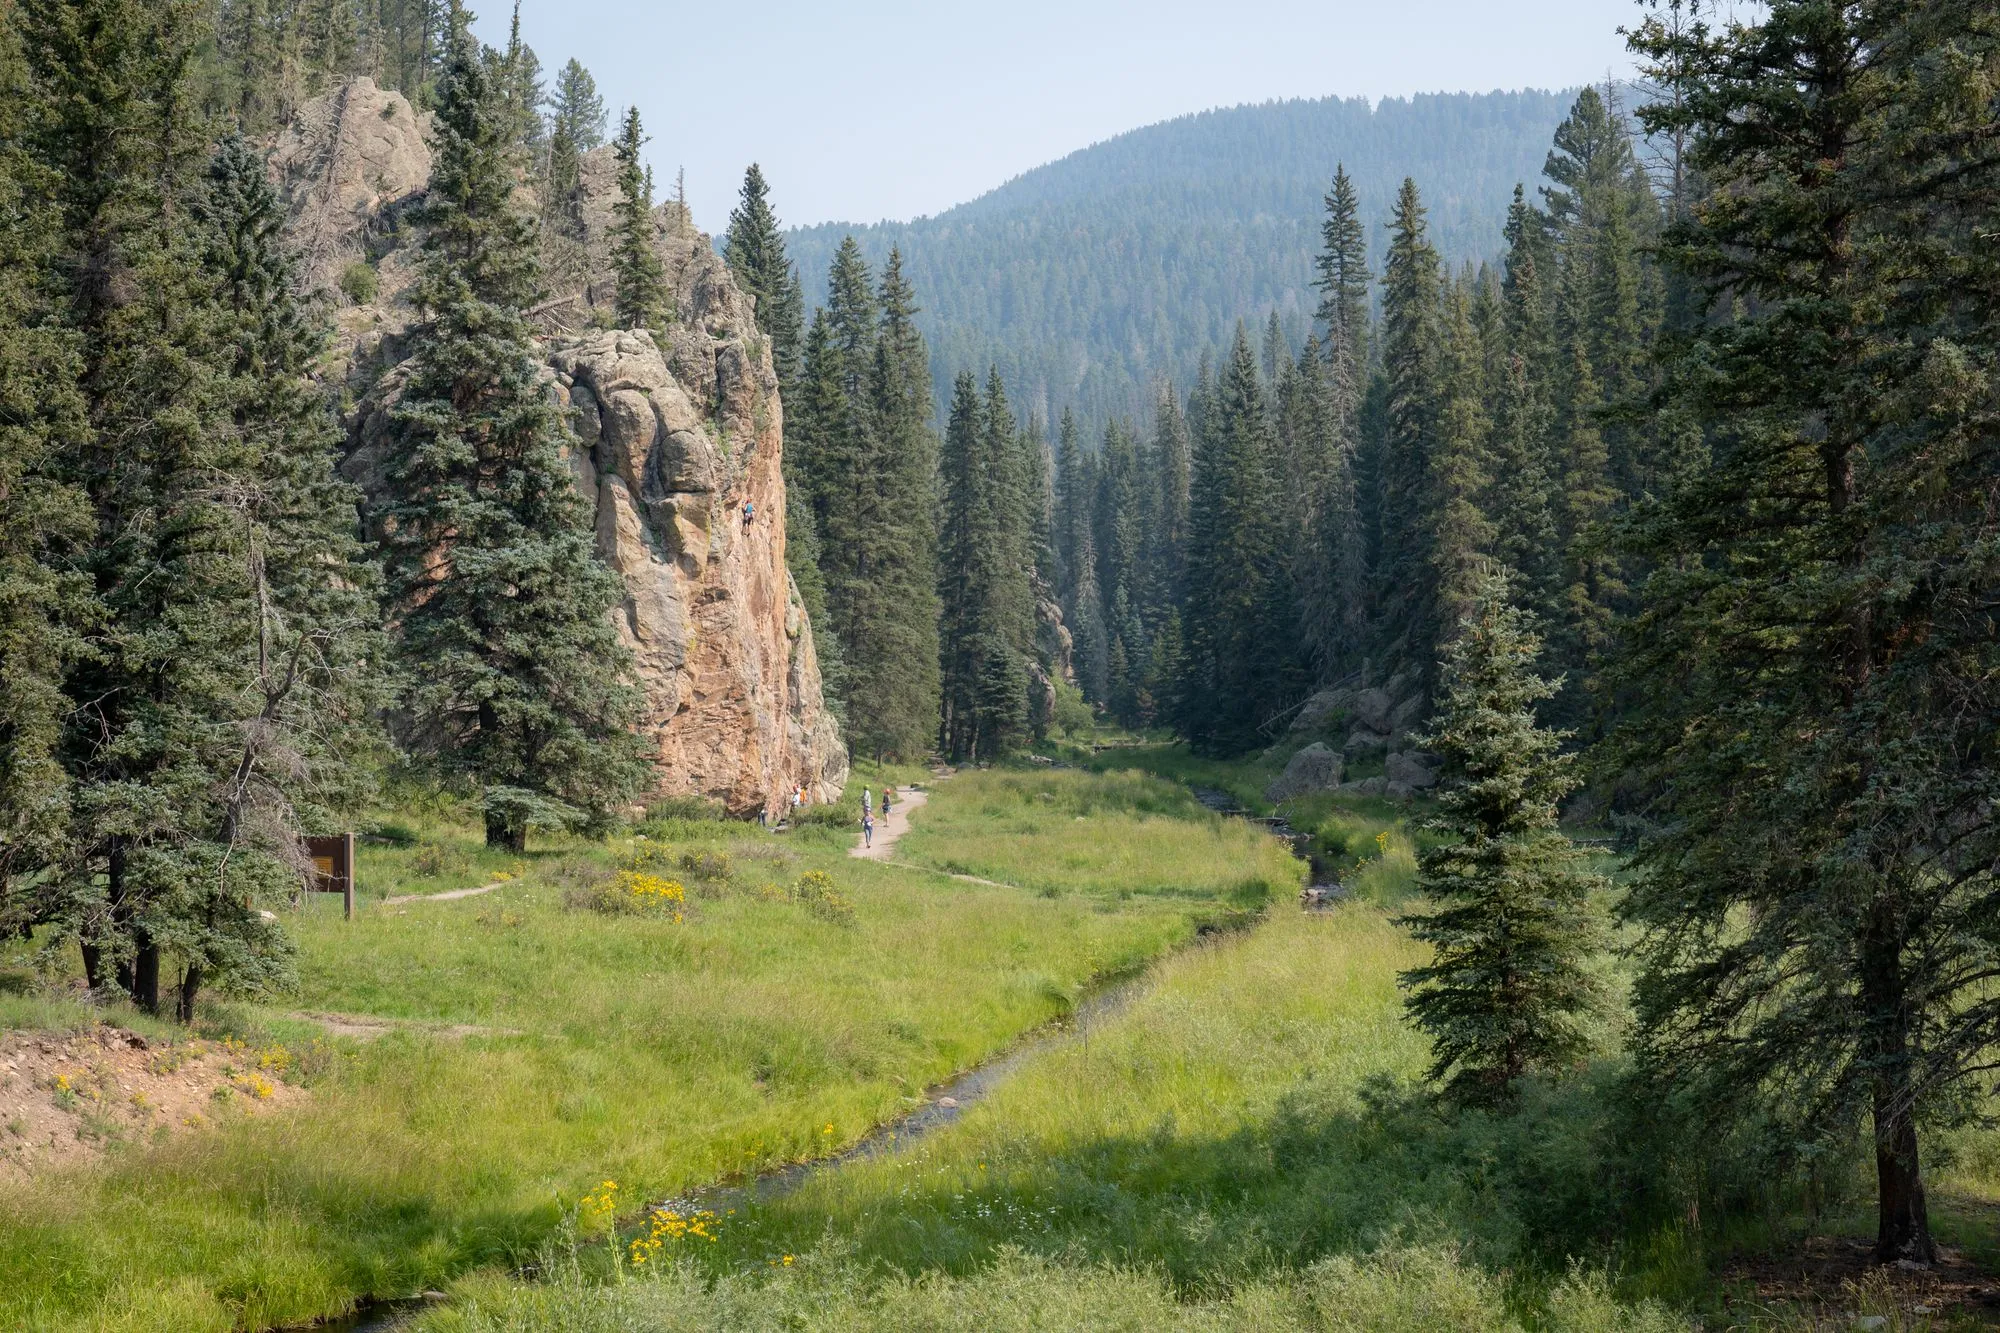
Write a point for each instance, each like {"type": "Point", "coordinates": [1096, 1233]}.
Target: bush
{"type": "Point", "coordinates": [359, 283]}
{"type": "Point", "coordinates": [815, 891]}
{"type": "Point", "coordinates": [434, 859]}
{"type": "Point", "coordinates": [687, 809]}
{"type": "Point", "coordinates": [706, 865]}
{"type": "Point", "coordinates": [395, 835]}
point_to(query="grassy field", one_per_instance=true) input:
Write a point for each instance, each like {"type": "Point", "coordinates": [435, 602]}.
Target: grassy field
{"type": "Point", "coordinates": [1115, 835]}
{"type": "Point", "coordinates": [526, 1047]}
{"type": "Point", "coordinates": [1240, 1149]}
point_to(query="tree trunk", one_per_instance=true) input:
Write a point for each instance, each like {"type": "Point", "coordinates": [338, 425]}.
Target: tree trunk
{"type": "Point", "coordinates": [1903, 1228]}
{"type": "Point", "coordinates": [1903, 1219]}
{"type": "Point", "coordinates": [190, 986]}
{"type": "Point", "coordinates": [504, 835]}
{"type": "Point", "coordinates": [93, 966]}
{"type": "Point", "coordinates": [146, 973]}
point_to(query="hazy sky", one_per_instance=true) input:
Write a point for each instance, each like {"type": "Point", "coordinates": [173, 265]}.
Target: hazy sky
{"type": "Point", "coordinates": [890, 109]}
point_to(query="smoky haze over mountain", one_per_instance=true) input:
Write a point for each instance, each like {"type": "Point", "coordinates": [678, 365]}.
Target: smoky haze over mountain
{"type": "Point", "coordinates": [1089, 279]}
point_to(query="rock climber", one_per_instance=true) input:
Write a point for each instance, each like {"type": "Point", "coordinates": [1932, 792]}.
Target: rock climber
{"type": "Point", "coordinates": [749, 512]}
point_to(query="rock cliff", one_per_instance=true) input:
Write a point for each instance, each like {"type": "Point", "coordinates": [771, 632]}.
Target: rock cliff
{"type": "Point", "coordinates": [679, 448]}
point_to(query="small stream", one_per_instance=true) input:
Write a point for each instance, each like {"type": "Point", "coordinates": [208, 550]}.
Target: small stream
{"type": "Point", "coordinates": [1323, 887]}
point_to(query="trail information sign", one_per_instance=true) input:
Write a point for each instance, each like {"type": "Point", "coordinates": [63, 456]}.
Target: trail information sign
{"type": "Point", "coordinates": [333, 867]}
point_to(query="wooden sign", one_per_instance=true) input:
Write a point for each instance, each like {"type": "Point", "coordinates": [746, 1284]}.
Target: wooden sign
{"type": "Point", "coordinates": [333, 867]}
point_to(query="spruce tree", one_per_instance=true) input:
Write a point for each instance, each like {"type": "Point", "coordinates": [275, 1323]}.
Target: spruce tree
{"type": "Point", "coordinates": [755, 249]}
{"type": "Point", "coordinates": [1343, 284]}
{"type": "Point", "coordinates": [896, 651]}
{"type": "Point", "coordinates": [1413, 353]}
{"type": "Point", "coordinates": [1812, 670]}
{"type": "Point", "coordinates": [1511, 926]}
{"type": "Point", "coordinates": [641, 300]}
{"type": "Point", "coordinates": [1242, 665]}
{"type": "Point", "coordinates": [518, 682]}
{"type": "Point", "coordinates": [42, 605]}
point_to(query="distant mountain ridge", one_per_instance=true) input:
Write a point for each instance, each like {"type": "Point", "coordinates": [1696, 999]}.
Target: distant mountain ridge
{"type": "Point", "coordinates": [1090, 278]}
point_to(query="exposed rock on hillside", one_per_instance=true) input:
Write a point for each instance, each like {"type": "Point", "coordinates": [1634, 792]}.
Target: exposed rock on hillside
{"type": "Point", "coordinates": [676, 435]}
{"type": "Point", "coordinates": [1315, 768]}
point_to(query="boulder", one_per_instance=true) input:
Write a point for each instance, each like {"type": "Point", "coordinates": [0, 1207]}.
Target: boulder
{"type": "Point", "coordinates": [1363, 741]}
{"type": "Point", "coordinates": [1407, 713]}
{"type": "Point", "coordinates": [1372, 708]}
{"type": "Point", "coordinates": [1375, 786]}
{"type": "Point", "coordinates": [1315, 768]}
{"type": "Point", "coordinates": [1323, 708]}
{"type": "Point", "coordinates": [1411, 768]}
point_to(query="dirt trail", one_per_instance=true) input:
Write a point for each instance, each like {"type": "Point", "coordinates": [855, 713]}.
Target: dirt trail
{"type": "Point", "coordinates": [891, 827]}
{"type": "Point", "coordinates": [442, 897]}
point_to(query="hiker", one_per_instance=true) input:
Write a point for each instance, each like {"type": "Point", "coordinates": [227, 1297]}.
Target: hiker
{"type": "Point", "coordinates": [798, 797]}
{"type": "Point", "coordinates": [867, 828]}
{"type": "Point", "coordinates": [749, 512]}
{"type": "Point", "coordinates": [888, 795]}
{"type": "Point", "coordinates": [867, 802]}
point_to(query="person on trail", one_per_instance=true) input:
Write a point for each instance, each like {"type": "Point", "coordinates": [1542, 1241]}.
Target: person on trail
{"type": "Point", "coordinates": [867, 828]}
{"type": "Point", "coordinates": [867, 801]}
{"type": "Point", "coordinates": [888, 795]}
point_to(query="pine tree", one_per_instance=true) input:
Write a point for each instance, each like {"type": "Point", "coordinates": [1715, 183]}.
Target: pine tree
{"type": "Point", "coordinates": [42, 606]}
{"type": "Point", "coordinates": [519, 682]}
{"type": "Point", "coordinates": [1526, 537]}
{"type": "Point", "coordinates": [1343, 284]}
{"type": "Point", "coordinates": [1242, 664]}
{"type": "Point", "coordinates": [1413, 353]}
{"type": "Point", "coordinates": [1512, 930]}
{"type": "Point", "coordinates": [642, 300]}
{"type": "Point", "coordinates": [1812, 670]}
{"type": "Point", "coordinates": [575, 126]}
{"type": "Point", "coordinates": [755, 249]}
{"type": "Point", "coordinates": [896, 652]}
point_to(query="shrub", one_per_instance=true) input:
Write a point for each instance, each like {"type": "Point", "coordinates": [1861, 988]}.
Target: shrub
{"type": "Point", "coordinates": [359, 283]}
{"type": "Point", "coordinates": [706, 865]}
{"type": "Point", "coordinates": [815, 891]}
{"type": "Point", "coordinates": [395, 835]}
{"type": "Point", "coordinates": [693, 809]}
{"type": "Point", "coordinates": [435, 858]}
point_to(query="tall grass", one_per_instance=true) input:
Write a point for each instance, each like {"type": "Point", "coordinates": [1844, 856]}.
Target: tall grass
{"type": "Point", "coordinates": [1113, 834]}
{"type": "Point", "coordinates": [1239, 1150]}
{"type": "Point", "coordinates": [534, 1050]}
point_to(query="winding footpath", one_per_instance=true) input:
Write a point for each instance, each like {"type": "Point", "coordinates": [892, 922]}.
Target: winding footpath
{"type": "Point", "coordinates": [891, 827]}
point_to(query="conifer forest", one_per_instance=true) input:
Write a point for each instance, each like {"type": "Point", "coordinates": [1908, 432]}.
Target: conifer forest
{"type": "Point", "coordinates": [1107, 759]}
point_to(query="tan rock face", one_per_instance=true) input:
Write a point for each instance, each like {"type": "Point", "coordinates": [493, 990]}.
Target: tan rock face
{"type": "Point", "coordinates": [677, 431]}
{"type": "Point", "coordinates": [721, 639]}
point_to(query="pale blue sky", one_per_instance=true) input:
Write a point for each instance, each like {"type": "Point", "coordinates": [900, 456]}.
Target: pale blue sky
{"type": "Point", "coordinates": [891, 109]}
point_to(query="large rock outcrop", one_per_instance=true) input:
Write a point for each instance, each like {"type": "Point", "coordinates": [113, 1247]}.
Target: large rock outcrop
{"type": "Point", "coordinates": [677, 433]}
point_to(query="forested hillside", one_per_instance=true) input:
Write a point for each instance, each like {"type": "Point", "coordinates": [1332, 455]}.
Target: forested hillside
{"type": "Point", "coordinates": [1090, 278]}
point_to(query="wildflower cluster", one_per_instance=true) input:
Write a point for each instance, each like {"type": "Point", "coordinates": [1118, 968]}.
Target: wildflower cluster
{"type": "Point", "coordinates": [672, 1225]}
{"type": "Point", "coordinates": [597, 1206]}
{"type": "Point", "coordinates": [815, 891]}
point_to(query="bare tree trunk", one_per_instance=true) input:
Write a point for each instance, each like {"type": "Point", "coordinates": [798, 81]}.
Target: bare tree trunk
{"type": "Point", "coordinates": [1903, 1229]}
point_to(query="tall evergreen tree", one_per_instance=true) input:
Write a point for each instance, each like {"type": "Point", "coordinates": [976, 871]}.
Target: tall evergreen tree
{"type": "Point", "coordinates": [42, 606]}
{"type": "Point", "coordinates": [1241, 666]}
{"type": "Point", "coordinates": [1343, 284]}
{"type": "Point", "coordinates": [1511, 927]}
{"type": "Point", "coordinates": [519, 682]}
{"type": "Point", "coordinates": [641, 300]}
{"type": "Point", "coordinates": [1413, 368]}
{"type": "Point", "coordinates": [755, 248]}
{"type": "Point", "coordinates": [1812, 670]}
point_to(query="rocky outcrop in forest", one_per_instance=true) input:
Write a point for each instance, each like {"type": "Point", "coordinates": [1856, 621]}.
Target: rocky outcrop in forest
{"type": "Point", "coordinates": [679, 445]}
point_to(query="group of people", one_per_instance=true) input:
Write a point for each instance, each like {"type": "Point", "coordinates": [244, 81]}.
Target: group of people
{"type": "Point", "coordinates": [798, 800]}
{"type": "Point", "coordinates": [868, 813]}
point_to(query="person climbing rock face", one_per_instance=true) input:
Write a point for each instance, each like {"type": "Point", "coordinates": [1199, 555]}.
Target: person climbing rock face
{"type": "Point", "coordinates": [749, 512]}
